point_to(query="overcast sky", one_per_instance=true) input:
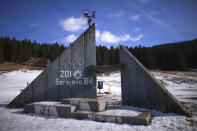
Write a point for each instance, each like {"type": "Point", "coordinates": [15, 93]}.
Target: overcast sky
{"type": "Point", "coordinates": [128, 22]}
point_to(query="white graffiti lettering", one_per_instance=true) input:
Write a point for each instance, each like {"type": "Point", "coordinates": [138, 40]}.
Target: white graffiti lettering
{"type": "Point", "coordinates": [74, 63]}
{"type": "Point", "coordinates": [66, 74]}
{"type": "Point", "coordinates": [85, 81]}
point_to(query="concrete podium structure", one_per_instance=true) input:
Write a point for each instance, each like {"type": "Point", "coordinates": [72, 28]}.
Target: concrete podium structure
{"type": "Point", "coordinates": [140, 88]}
{"type": "Point", "coordinates": [71, 75]}
{"type": "Point", "coordinates": [74, 110]}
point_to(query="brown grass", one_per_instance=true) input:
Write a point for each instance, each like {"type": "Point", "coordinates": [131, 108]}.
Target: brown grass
{"type": "Point", "coordinates": [11, 66]}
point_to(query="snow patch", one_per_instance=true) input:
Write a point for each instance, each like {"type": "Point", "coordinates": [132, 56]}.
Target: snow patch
{"type": "Point", "coordinates": [12, 83]}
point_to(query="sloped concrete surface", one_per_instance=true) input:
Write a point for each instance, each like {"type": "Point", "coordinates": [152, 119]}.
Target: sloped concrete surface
{"type": "Point", "coordinates": [72, 74]}
{"type": "Point", "coordinates": [140, 88]}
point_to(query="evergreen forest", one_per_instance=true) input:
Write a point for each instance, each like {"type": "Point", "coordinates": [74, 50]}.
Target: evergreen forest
{"type": "Point", "coordinates": [170, 56]}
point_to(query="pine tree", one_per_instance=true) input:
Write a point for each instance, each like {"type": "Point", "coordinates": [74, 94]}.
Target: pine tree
{"type": "Point", "coordinates": [98, 55]}
{"type": "Point", "coordinates": [1, 52]}
{"type": "Point", "coordinates": [111, 56]}
{"type": "Point", "coordinates": [13, 49]}
{"type": "Point", "coordinates": [117, 56]}
{"type": "Point", "coordinates": [180, 62]}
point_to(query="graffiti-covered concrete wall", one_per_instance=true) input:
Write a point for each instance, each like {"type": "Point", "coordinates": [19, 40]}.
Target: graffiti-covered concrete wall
{"type": "Point", "coordinates": [72, 74]}
{"type": "Point", "coordinates": [140, 88]}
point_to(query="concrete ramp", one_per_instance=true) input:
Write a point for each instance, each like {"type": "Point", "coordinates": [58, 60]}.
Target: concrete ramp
{"type": "Point", "coordinates": [72, 74]}
{"type": "Point", "coordinates": [140, 88]}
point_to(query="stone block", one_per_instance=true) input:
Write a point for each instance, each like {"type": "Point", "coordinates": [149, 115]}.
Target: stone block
{"type": "Point", "coordinates": [142, 119]}
{"type": "Point", "coordinates": [50, 109]}
{"type": "Point", "coordinates": [87, 104]}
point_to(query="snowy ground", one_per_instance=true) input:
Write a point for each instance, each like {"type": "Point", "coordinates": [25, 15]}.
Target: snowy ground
{"type": "Point", "coordinates": [13, 82]}
{"type": "Point", "coordinates": [181, 84]}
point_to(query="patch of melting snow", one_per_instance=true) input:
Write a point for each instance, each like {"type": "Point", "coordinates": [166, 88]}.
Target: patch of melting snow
{"type": "Point", "coordinates": [118, 112]}
{"type": "Point", "coordinates": [49, 103]}
{"type": "Point", "coordinates": [12, 83]}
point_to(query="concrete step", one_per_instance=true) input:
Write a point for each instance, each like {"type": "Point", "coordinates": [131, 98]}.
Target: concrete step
{"type": "Point", "coordinates": [87, 104]}
{"type": "Point", "coordinates": [50, 109]}
{"type": "Point", "coordinates": [144, 118]}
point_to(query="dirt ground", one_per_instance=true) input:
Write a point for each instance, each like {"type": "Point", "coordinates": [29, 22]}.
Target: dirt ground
{"type": "Point", "coordinates": [11, 66]}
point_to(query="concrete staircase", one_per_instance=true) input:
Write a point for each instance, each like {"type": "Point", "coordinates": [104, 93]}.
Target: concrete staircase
{"type": "Point", "coordinates": [85, 108]}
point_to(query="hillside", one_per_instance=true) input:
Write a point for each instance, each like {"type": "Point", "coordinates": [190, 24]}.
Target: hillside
{"type": "Point", "coordinates": [31, 64]}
